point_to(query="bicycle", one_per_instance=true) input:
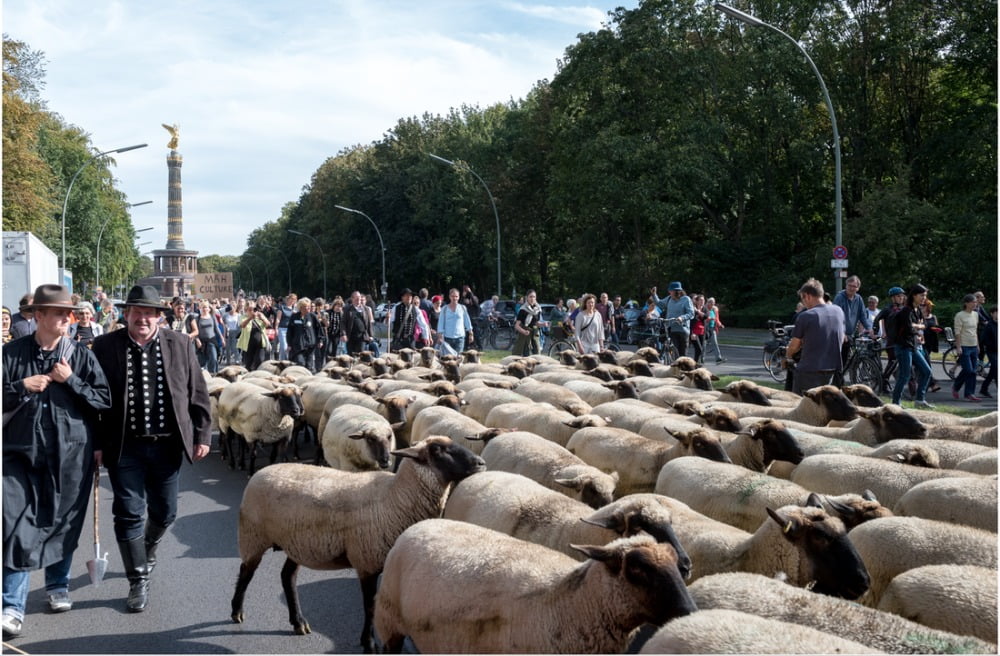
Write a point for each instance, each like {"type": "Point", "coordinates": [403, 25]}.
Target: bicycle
{"type": "Point", "coordinates": [864, 363]}
{"type": "Point", "coordinates": [497, 333]}
{"type": "Point", "coordinates": [572, 343]}
{"type": "Point", "coordinates": [774, 350]}
{"type": "Point", "coordinates": [653, 334]}
{"type": "Point", "coordinates": [950, 358]}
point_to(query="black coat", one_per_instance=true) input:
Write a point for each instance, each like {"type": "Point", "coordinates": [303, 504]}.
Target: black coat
{"type": "Point", "coordinates": [47, 475]}
{"type": "Point", "coordinates": [303, 332]}
{"type": "Point", "coordinates": [188, 393]}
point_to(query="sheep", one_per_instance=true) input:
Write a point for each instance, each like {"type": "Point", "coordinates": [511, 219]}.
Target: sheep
{"type": "Point", "coordinates": [862, 396]}
{"type": "Point", "coordinates": [984, 464]}
{"type": "Point", "coordinates": [666, 396]}
{"type": "Point", "coordinates": [479, 402]}
{"type": "Point", "coordinates": [415, 402]}
{"type": "Point", "coordinates": [960, 599]}
{"type": "Point", "coordinates": [608, 372]}
{"type": "Point", "coordinates": [296, 371]}
{"type": "Point", "coordinates": [551, 465]}
{"type": "Point", "coordinates": [891, 545]}
{"type": "Point", "coordinates": [542, 419]}
{"type": "Point", "coordinates": [701, 379]}
{"type": "Point", "coordinates": [837, 473]}
{"type": "Point", "coordinates": [393, 408]}
{"type": "Point", "coordinates": [636, 459]}
{"type": "Point", "coordinates": [441, 420]}
{"type": "Point", "coordinates": [561, 376]}
{"type": "Point", "coordinates": [949, 453]}
{"type": "Point", "coordinates": [972, 434]}
{"type": "Point", "coordinates": [934, 417]}
{"type": "Point", "coordinates": [817, 407]}
{"type": "Point", "coordinates": [357, 439]}
{"type": "Point", "coordinates": [807, 545]}
{"type": "Point", "coordinates": [495, 593]}
{"type": "Point", "coordinates": [556, 395]}
{"type": "Point", "coordinates": [215, 385]}
{"type": "Point", "coordinates": [256, 416]}
{"type": "Point", "coordinates": [972, 502]}
{"type": "Point", "coordinates": [314, 398]}
{"type": "Point", "coordinates": [274, 366]}
{"type": "Point", "coordinates": [724, 631]}
{"type": "Point", "coordinates": [873, 426]}
{"type": "Point", "coordinates": [738, 497]}
{"type": "Point", "coordinates": [768, 597]}
{"type": "Point", "coordinates": [232, 372]}
{"type": "Point", "coordinates": [744, 391]}
{"type": "Point", "coordinates": [591, 392]}
{"type": "Point", "coordinates": [330, 519]}
{"type": "Point", "coordinates": [761, 443]}
{"type": "Point", "coordinates": [631, 414]}
{"type": "Point", "coordinates": [522, 508]}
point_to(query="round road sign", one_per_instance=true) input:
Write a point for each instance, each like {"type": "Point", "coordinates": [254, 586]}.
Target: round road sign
{"type": "Point", "coordinates": [840, 252]}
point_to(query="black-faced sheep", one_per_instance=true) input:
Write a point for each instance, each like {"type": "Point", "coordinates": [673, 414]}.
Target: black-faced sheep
{"type": "Point", "coordinates": [761, 443]}
{"type": "Point", "coordinates": [330, 519]}
{"type": "Point", "coordinates": [493, 593]}
{"type": "Point", "coordinates": [250, 415]}
{"type": "Point", "coordinates": [479, 402]}
{"type": "Point", "coordinates": [818, 407]}
{"type": "Point", "coordinates": [357, 439]}
{"type": "Point", "coordinates": [556, 395]}
{"type": "Point", "coordinates": [541, 419]}
{"type": "Point", "coordinates": [972, 502]}
{"type": "Point", "coordinates": [441, 420]}
{"type": "Point", "coordinates": [768, 597]}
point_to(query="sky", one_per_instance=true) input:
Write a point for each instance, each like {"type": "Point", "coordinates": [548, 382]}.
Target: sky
{"type": "Point", "coordinates": [264, 92]}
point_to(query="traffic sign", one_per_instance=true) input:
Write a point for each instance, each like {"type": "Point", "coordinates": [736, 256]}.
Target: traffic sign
{"type": "Point", "coordinates": [838, 264]}
{"type": "Point", "coordinates": [840, 252]}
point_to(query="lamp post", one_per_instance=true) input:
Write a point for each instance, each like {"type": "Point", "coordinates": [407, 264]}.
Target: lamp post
{"type": "Point", "coordinates": [267, 272]}
{"type": "Point", "coordinates": [62, 262]}
{"type": "Point", "coordinates": [287, 263]}
{"type": "Point", "coordinates": [296, 232]}
{"type": "Point", "coordinates": [244, 265]}
{"type": "Point", "coordinates": [385, 283]}
{"type": "Point", "coordinates": [97, 277]}
{"type": "Point", "coordinates": [492, 202]}
{"type": "Point", "coordinates": [756, 22]}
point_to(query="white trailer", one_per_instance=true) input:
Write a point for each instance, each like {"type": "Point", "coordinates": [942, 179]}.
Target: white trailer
{"type": "Point", "coordinates": [27, 263]}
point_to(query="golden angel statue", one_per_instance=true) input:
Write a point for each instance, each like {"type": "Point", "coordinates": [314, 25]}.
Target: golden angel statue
{"type": "Point", "coordinates": [175, 132]}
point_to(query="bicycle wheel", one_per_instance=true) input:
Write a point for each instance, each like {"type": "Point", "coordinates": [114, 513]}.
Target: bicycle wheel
{"type": "Point", "coordinates": [866, 371]}
{"type": "Point", "coordinates": [503, 338]}
{"type": "Point", "coordinates": [559, 346]}
{"type": "Point", "coordinates": [778, 373]}
{"type": "Point", "coordinates": [949, 362]}
{"type": "Point", "coordinates": [612, 347]}
{"type": "Point", "coordinates": [766, 357]}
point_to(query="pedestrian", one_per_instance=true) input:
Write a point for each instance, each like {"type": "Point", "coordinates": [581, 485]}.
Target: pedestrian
{"type": "Point", "coordinates": [23, 321]}
{"type": "Point", "coordinates": [897, 296]}
{"type": "Point", "coordinates": [967, 344]}
{"type": "Point", "coordinates": [872, 311]}
{"type": "Point", "coordinates": [302, 335]}
{"type": "Point", "coordinates": [855, 316]}
{"type": "Point", "coordinates": [905, 325]}
{"type": "Point", "coordinates": [818, 333]}
{"type": "Point", "coordinates": [454, 324]}
{"type": "Point", "coordinates": [52, 391]}
{"type": "Point", "coordinates": [422, 335]}
{"type": "Point", "coordinates": [527, 326]}
{"type": "Point", "coordinates": [232, 318]}
{"type": "Point", "coordinates": [989, 346]}
{"type": "Point", "coordinates": [85, 329]}
{"type": "Point", "coordinates": [402, 322]}
{"type": "Point", "coordinates": [713, 324]}
{"type": "Point", "coordinates": [589, 326]}
{"type": "Point", "coordinates": [205, 331]}
{"type": "Point", "coordinates": [6, 325]}
{"type": "Point", "coordinates": [284, 311]}
{"type": "Point", "coordinates": [677, 312]}
{"type": "Point", "coordinates": [253, 341]}
{"type": "Point", "coordinates": [617, 321]}
{"type": "Point", "coordinates": [335, 327]}
{"type": "Point", "coordinates": [698, 328]}
{"type": "Point", "coordinates": [607, 312]}
{"type": "Point", "coordinates": [159, 415]}
{"type": "Point", "coordinates": [357, 333]}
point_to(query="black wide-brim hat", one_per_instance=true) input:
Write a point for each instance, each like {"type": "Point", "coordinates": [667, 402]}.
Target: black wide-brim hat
{"type": "Point", "coordinates": [142, 296]}
{"type": "Point", "coordinates": [51, 296]}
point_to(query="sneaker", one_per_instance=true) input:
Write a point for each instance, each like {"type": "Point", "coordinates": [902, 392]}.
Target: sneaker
{"type": "Point", "coordinates": [923, 404]}
{"type": "Point", "coordinates": [954, 394]}
{"type": "Point", "coordinates": [720, 360]}
{"type": "Point", "coordinates": [973, 399]}
{"type": "Point", "coordinates": [11, 626]}
{"type": "Point", "coordinates": [985, 395]}
{"type": "Point", "coordinates": [59, 602]}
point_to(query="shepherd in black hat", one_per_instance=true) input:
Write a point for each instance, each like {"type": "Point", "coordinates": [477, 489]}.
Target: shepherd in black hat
{"type": "Point", "coordinates": [144, 442]}
{"type": "Point", "coordinates": [404, 321]}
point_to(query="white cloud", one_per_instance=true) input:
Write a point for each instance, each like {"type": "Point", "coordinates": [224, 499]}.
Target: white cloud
{"type": "Point", "coordinates": [265, 92]}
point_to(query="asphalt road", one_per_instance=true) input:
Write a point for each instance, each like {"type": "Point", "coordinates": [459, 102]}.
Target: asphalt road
{"type": "Point", "coordinates": [198, 564]}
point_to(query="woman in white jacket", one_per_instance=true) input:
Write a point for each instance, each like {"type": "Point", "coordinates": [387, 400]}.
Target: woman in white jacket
{"type": "Point", "coordinates": [85, 329]}
{"type": "Point", "coordinates": [589, 326]}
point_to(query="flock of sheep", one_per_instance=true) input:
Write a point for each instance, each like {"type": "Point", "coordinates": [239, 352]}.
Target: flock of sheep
{"type": "Point", "coordinates": [537, 505]}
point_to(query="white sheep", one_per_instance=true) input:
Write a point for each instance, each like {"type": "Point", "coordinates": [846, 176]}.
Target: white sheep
{"type": "Point", "coordinates": [960, 599]}
{"type": "Point", "coordinates": [592, 392]}
{"type": "Point", "coordinates": [456, 587]}
{"type": "Point", "coordinates": [806, 544]}
{"type": "Point", "coordinates": [666, 395]}
{"type": "Point", "coordinates": [893, 545]}
{"type": "Point", "coordinates": [551, 465]}
{"type": "Point", "coordinates": [838, 473]}
{"type": "Point", "coordinates": [725, 631]}
{"type": "Point", "coordinates": [357, 439]}
{"type": "Point", "coordinates": [414, 403]}
{"type": "Point", "coordinates": [872, 427]}
{"type": "Point", "coordinates": [986, 435]}
{"type": "Point", "coordinates": [817, 407]}
{"type": "Point", "coordinates": [631, 414]}
{"type": "Point", "coordinates": [761, 443]}
{"type": "Point", "coordinates": [330, 519]}
{"type": "Point", "coordinates": [637, 459]}
{"type": "Point", "coordinates": [950, 453]}
{"type": "Point", "coordinates": [250, 415]}
{"type": "Point", "coordinates": [934, 417]}
{"type": "Point", "coordinates": [739, 497]}
{"type": "Point", "coordinates": [984, 464]}
{"type": "Point", "coordinates": [768, 597]}
{"type": "Point", "coordinates": [479, 402]}
{"type": "Point", "coordinates": [541, 419]}
{"type": "Point", "coordinates": [972, 502]}
{"type": "Point", "coordinates": [556, 395]}
{"type": "Point", "coordinates": [441, 420]}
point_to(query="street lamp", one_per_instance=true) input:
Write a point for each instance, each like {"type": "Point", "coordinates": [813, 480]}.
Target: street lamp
{"type": "Point", "coordinates": [97, 277]}
{"type": "Point", "coordinates": [756, 22]}
{"type": "Point", "coordinates": [287, 263]}
{"type": "Point", "coordinates": [62, 263]}
{"type": "Point", "coordinates": [385, 283]}
{"type": "Point", "coordinates": [492, 202]}
{"type": "Point", "coordinates": [296, 232]}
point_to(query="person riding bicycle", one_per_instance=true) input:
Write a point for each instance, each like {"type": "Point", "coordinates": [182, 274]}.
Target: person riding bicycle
{"type": "Point", "coordinates": [677, 310]}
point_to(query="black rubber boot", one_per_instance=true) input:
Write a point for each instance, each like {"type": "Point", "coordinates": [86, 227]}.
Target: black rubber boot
{"type": "Point", "coordinates": [154, 533]}
{"type": "Point", "coordinates": [137, 571]}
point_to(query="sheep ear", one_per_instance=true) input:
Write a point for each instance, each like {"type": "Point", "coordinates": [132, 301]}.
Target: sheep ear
{"type": "Point", "coordinates": [789, 526]}
{"type": "Point", "coordinates": [397, 426]}
{"type": "Point", "coordinates": [896, 457]}
{"type": "Point", "coordinates": [595, 552]}
{"type": "Point", "coordinates": [572, 483]}
{"type": "Point", "coordinates": [714, 377]}
{"type": "Point", "coordinates": [478, 437]}
{"type": "Point", "coordinates": [612, 523]}
{"type": "Point", "coordinates": [814, 501]}
{"type": "Point", "coordinates": [414, 452]}
{"type": "Point", "coordinates": [614, 477]}
{"type": "Point", "coordinates": [868, 495]}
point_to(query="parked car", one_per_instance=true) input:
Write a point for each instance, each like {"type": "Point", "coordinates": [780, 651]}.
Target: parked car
{"type": "Point", "coordinates": [382, 310]}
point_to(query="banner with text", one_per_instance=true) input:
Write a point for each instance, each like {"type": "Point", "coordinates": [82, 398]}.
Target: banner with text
{"type": "Point", "coordinates": [213, 285]}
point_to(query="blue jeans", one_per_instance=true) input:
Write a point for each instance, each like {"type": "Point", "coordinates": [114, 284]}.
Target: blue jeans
{"type": "Point", "coordinates": [15, 585]}
{"type": "Point", "coordinates": [208, 357]}
{"type": "Point", "coordinates": [969, 360]}
{"type": "Point", "coordinates": [457, 343]}
{"type": "Point", "coordinates": [145, 477]}
{"type": "Point", "coordinates": [909, 357]}
{"type": "Point", "coordinates": [282, 343]}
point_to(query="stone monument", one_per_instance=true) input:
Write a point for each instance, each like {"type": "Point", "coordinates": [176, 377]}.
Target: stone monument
{"type": "Point", "coordinates": [174, 266]}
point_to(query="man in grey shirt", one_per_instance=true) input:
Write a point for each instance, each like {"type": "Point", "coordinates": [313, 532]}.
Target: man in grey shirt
{"type": "Point", "coordinates": [819, 334]}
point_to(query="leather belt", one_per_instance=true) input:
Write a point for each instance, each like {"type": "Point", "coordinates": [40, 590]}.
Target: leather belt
{"type": "Point", "coordinates": [153, 438]}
